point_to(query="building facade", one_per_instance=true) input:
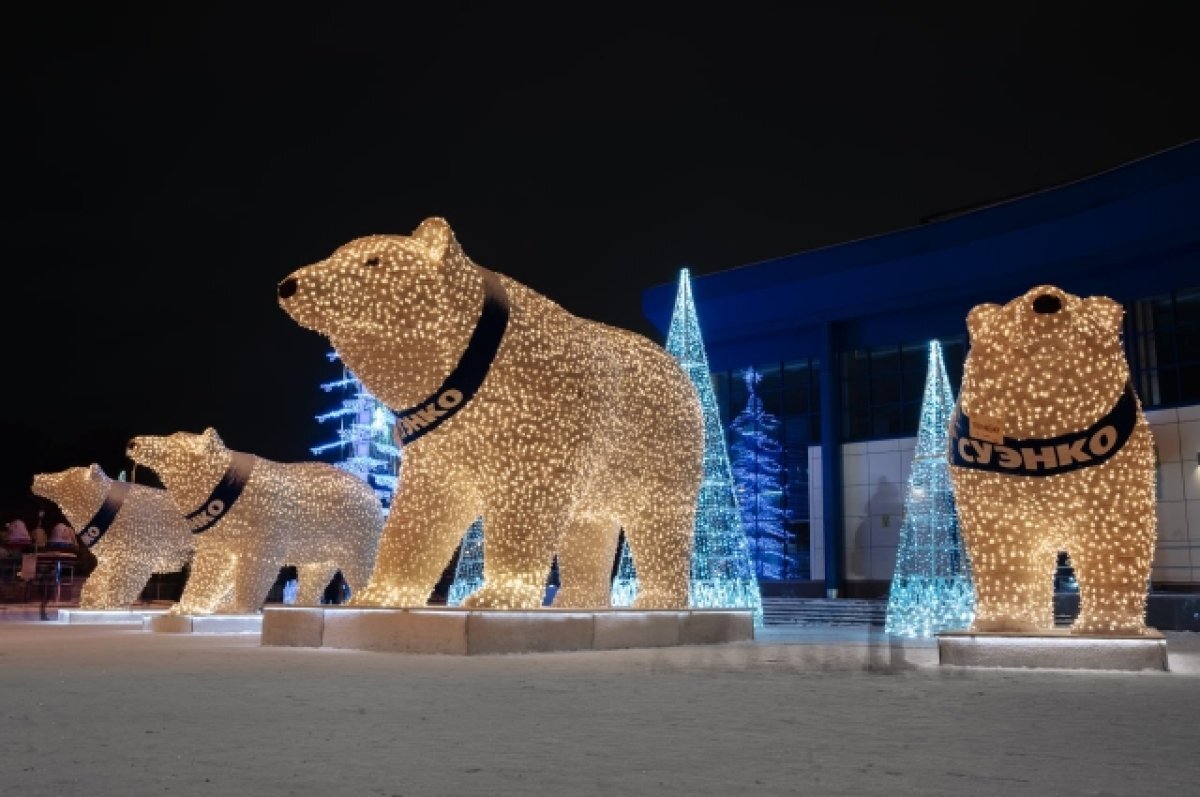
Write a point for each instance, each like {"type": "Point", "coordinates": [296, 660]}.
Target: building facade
{"type": "Point", "coordinates": [839, 337]}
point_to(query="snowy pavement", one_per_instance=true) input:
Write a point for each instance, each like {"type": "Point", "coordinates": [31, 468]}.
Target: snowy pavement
{"type": "Point", "coordinates": [102, 710]}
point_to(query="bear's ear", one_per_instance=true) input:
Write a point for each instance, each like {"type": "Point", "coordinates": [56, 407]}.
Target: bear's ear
{"type": "Point", "coordinates": [94, 472]}
{"type": "Point", "coordinates": [1108, 314]}
{"type": "Point", "coordinates": [436, 235]}
{"type": "Point", "coordinates": [212, 438]}
{"type": "Point", "coordinates": [979, 317]}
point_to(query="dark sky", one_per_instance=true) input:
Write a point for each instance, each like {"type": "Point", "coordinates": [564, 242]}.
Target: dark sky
{"type": "Point", "coordinates": [167, 165]}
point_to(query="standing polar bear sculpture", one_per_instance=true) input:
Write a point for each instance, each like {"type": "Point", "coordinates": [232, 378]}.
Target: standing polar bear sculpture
{"type": "Point", "coordinates": [1050, 451]}
{"type": "Point", "coordinates": [557, 430]}
{"type": "Point", "coordinates": [252, 516]}
{"type": "Point", "coordinates": [133, 530]}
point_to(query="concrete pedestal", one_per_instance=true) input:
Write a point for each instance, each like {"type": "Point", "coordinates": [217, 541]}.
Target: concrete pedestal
{"type": "Point", "coordinates": [204, 623]}
{"type": "Point", "coordinates": [1053, 649]}
{"type": "Point", "coordinates": [107, 616]}
{"type": "Point", "coordinates": [473, 631]}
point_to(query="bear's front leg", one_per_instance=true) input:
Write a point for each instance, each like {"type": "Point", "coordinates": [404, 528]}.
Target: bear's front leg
{"type": "Point", "coordinates": [1012, 565]}
{"type": "Point", "coordinates": [1113, 586]}
{"type": "Point", "coordinates": [521, 530]}
{"type": "Point", "coordinates": [209, 582]}
{"type": "Point", "coordinates": [429, 517]}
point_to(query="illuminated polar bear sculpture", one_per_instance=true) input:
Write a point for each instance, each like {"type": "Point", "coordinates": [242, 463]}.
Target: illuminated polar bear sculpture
{"type": "Point", "coordinates": [557, 430]}
{"type": "Point", "coordinates": [133, 530]}
{"type": "Point", "coordinates": [1050, 451]}
{"type": "Point", "coordinates": [253, 516]}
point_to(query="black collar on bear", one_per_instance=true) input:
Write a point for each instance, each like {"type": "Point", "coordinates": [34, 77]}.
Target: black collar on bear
{"type": "Point", "coordinates": [467, 377]}
{"type": "Point", "coordinates": [95, 528]}
{"type": "Point", "coordinates": [1046, 456]}
{"type": "Point", "coordinates": [223, 496]}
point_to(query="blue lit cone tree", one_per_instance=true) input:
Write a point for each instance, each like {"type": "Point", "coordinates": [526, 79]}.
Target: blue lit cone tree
{"type": "Point", "coordinates": [722, 571]}
{"type": "Point", "coordinates": [468, 573]}
{"type": "Point", "coordinates": [931, 588]}
{"type": "Point", "coordinates": [757, 465]}
{"type": "Point", "coordinates": [364, 435]}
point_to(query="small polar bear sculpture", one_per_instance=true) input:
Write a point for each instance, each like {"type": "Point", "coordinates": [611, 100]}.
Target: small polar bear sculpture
{"type": "Point", "coordinates": [556, 430]}
{"type": "Point", "coordinates": [133, 530]}
{"type": "Point", "coordinates": [1050, 451]}
{"type": "Point", "coordinates": [253, 516]}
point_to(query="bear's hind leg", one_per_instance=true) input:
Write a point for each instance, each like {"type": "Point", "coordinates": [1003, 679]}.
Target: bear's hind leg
{"type": "Point", "coordinates": [313, 579]}
{"type": "Point", "coordinates": [252, 582]}
{"type": "Point", "coordinates": [520, 538]}
{"type": "Point", "coordinates": [585, 560]}
{"type": "Point", "coordinates": [660, 542]}
{"type": "Point", "coordinates": [422, 530]}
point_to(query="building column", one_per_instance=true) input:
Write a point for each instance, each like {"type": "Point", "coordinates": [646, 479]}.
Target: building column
{"type": "Point", "coordinates": [833, 525]}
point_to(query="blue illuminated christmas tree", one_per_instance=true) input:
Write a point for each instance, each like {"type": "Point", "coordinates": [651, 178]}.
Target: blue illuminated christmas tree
{"type": "Point", "coordinates": [364, 435]}
{"type": "Point", "coordinates": [722, 573]}
{"type": "Point", "coordinates": [931, 589]}
{"type": "Point", "coordinates": [468, 573]}
{"type": "Point", "coordinates": [757, 465]}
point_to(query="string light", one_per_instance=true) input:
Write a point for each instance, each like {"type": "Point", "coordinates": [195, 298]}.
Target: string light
{"type": "Point", "coordinates": [576, 430]}
{"type": "Point", "coordinates": [252, 516]}
{"type": "Point", "coordinates": [1050, 451]}
{"type": "Point", "coordinates": [931, 589]}
{"type": "Point", "coordinates": [144, 535]}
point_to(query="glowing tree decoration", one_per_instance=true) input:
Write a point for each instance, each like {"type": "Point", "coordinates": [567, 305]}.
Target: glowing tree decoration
{"type": "Point", "coordinates": [252, 517]}
{"type": "Point", "coordinates": [722, 573]}
{"type": "Point", "coordinates": [931, 589]}
{"type": "Point", "coordinates": [757, 465]}
{"type": "Point", "coordinates": [1050, 451]}
{"type": "Point", "coordinates": [364, 435]}
{"type": "Point", "coordinates": [133, 530]}
{"type": "Point", "coordinates": [468, 573]}
{"type": "Point", "coordinates": [556, 430]}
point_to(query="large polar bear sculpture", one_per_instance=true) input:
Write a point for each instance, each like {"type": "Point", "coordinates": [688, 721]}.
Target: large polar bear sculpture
{"type": "Point", "coordinates": [253, 516]}
{"type": "Point", "coordinates": [133, 530]}
{"type": "Point", "coordinates": [1050, 451]}
{"type": "Point", "coordinates": [557, 430]}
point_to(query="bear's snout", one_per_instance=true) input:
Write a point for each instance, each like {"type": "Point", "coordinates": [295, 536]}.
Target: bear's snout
{"type": "Point", "coordinates": [287, 288]}
{"type": "Point", "coordinates": [1047, 303]}
{"type": "Point", "coordinates": [130, 446]}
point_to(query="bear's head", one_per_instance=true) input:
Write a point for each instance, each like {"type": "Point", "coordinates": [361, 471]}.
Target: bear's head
{"type": "Point", "coordinates": [397, 309]}
{"type": "Point", "coordinates": [1044, 364]}
{"type": "Point", "coordinates": [75, 490]}
{"type": "Point", "coordinates": [182, 456]}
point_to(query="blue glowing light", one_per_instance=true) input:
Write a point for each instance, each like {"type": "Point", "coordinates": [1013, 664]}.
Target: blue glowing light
{"type": "Point", "coordinates": [931, 589]}
{"type": "Point", "coordinates": [757, 467]}
{"type": "Point", "coordinates": [722, 571]}
{"type": "Point", "coordinates": [364, 435]}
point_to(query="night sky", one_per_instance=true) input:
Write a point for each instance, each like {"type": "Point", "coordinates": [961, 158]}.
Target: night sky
{"type": "Point", "coordinates": [167, 166]}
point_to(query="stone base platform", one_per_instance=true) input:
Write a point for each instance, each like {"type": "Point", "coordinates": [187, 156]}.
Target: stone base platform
{"type": "Point", "coordinates": [107, 616]}
{"type": "Point", "coordinates": [204, 623]}
{"type": "Point", "coordinates": [459, 631]}
{"type": "Point", "coordinates": [1053, 649]}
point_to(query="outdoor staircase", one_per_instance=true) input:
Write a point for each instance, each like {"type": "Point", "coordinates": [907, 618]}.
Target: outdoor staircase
{"type": "Point", "coordinates": [823, 611]}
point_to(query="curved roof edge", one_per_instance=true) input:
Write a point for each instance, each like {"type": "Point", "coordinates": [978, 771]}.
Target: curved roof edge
{"type": "Point", "coordinates": [1144, 212]}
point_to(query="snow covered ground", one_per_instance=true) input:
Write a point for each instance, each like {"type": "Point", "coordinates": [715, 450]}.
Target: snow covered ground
{"type": "Point", "coordinates": [95, 710]}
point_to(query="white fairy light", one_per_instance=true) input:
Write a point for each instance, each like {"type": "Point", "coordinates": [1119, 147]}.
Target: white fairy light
{"type": "Point", "coordinates": [576, 429]}
{"type": "Point", "coordinates": [252, 516]}
{"type": "Point", "coordinates": [1050, 451]}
